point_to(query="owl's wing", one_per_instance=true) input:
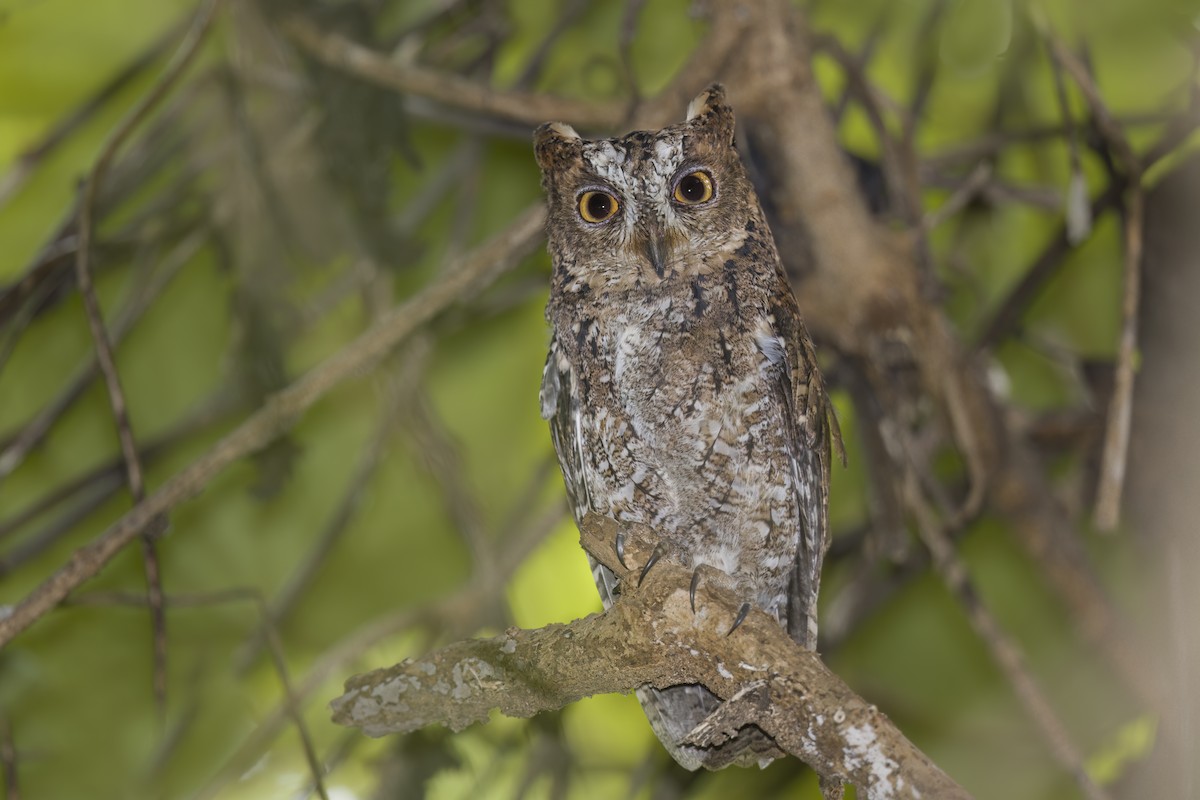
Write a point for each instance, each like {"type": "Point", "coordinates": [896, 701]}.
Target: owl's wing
{"type": "Point", "coordinates": [561, 407]}
{"type": "Point", "coordinates": [801, 395]}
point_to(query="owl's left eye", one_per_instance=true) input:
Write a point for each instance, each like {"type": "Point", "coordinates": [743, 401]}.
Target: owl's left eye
{"type": "Point", "coordinates": [694, 188]}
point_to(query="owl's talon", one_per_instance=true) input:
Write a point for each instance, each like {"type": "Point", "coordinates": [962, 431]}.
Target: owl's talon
{"type": "Point", "coordinates": [692, 590]}
{"type": "Point", "coordinates": [620, 548]}
{"type": "Point", "coordinates": [654, 557]}
{"type": "Point", "coordinates": [741, 617]}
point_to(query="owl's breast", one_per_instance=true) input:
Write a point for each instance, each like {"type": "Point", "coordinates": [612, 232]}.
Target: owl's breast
{"type": "Point", "coordinates": [696, 442]}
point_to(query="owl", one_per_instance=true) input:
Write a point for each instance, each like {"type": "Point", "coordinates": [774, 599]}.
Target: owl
{"type": "Point", "coordinates": [681, 387]}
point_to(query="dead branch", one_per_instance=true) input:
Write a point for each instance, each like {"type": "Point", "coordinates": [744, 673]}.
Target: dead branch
{"type": "Point", "coordinates": [455, 614]}
{"type": "Point", "coordinates": [105, 355]}
{"type": "Point", "coordinates": [527, 107]}
{"type": "Point", "coordinates": [651, 636]}
{"type": "Point", "coordinates": [727, 30]}
{"type": "Point", "coordinates": [864, 293]}
{"type": "Point", "coordinates": [1005, 651]}
{"type": "Point", "coordinates": [473, 272]}
{"type": "Point", "coordinates": [1116, 437]}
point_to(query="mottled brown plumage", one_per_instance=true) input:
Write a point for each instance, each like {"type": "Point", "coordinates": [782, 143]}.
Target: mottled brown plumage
{"type": "Point", "coordinates": [681, 386]}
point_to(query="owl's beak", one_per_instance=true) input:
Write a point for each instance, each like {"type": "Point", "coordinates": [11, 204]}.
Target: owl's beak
{"type": "Point", "coordinates": [657, 249]}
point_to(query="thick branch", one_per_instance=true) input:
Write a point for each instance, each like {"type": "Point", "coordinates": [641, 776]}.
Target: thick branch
{"type": "Point", "coordinates": [652, 636]}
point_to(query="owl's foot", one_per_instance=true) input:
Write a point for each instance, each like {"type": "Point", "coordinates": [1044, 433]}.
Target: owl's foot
{"type": "Point", "coordinates": [619, 546]}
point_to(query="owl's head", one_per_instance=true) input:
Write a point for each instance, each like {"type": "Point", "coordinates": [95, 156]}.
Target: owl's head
{"type": "Point", "coordinates": [649, 202]}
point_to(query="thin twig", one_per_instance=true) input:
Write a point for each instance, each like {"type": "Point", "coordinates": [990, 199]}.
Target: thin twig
{"type": "Point", "coordinates": [279, 609]}
{"type": "Point", "coordinates": [25, 165]}
{"type": "Point", "coordinates": [457, 614]}
{"type": "Point", "coordinates": [865, 53]}
{"type": "Point", "coordinates": [992, 144]}
{"type": "Point", "coordinates": [527, 107]}
{"type": "Point", "coordinates": [925, 65]}
{"type": "Point", "coordinates": [1078, 223]}
{"type": "Point", "coordinates": [1004, 651]}
{"type": "Point", "coordinates": [875, 103]}
{"type": "Point", "coordinates": [34, 432]}
{"type": "Point", "coordinates": [19, 322]}
{"type": "Point", "coordinates": [1116, 437]}
{"type": "Point", "coordinates": [437, 452]}
{"type": "Point", "coordinates": [100, 484]}
{"type": "Point", "coordinates": [963, 195]}
{"type": "Point", "coordinates": [1007, 316]}
{"type": "Point", "coordinates": [473, 273]}
{"type": "Point", "coordinates": [253, 595]}
{"type": "Point", "coordinates": [342, 749]}
{"type": "Point", "coordinates": [1104, 119]}
{"type": "Point", "coordinates": [105, 358]}
{"type": "Point", "coordinates": [571, 11]}
{"type": "Point", "coordinates": [102, 487]}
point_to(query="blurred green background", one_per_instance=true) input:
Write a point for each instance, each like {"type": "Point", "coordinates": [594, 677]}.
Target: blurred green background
{"type": "Point", "coordinates": [373, 195]}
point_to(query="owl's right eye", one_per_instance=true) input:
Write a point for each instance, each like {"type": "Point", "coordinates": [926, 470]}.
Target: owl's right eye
{"type": "Point", "coordinates": [597, 206]}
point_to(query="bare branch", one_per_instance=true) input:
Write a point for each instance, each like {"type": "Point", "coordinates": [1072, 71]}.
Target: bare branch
{"type": "Point", "coordinates": [864, 294]}
{"type": "Point", "coordinates": [105, 357]}
{"type": "Point", "coordinates": [651, 636]}
{"type": "Point", "coordinates": [472, 273]}
{"type": "Point", "coordinates": [457, 612]}
{"type": "Point", "coordinates": [1004, 650]}
{"type": "Point", "coordinates": [527, 107]}
{"type": "Point", "coordinates": [1116, 437]}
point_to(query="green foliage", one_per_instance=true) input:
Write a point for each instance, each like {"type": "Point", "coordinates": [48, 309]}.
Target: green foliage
{"type": "Point", "coordinates": [76, 687]}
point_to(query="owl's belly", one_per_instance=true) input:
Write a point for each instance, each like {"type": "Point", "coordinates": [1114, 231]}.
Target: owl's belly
{"type": "Point", "coordinates": [698, 450]}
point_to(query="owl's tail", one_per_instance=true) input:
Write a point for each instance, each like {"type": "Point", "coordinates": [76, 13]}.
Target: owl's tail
{"type": "Point", "coordinates": [676, 711]}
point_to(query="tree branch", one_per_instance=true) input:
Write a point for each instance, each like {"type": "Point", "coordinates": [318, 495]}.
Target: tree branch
{"type": "Point", "coordinates": [464, 278]}
{"type": "Point", "coordinates": [525, 107]}
{"type": "Point", "coordinates": [651, 636]}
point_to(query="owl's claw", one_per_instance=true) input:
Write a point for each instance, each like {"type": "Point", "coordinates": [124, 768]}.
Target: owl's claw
{"type": "Point", "coordinates": [620, 548]}
{"type": "Point", "coordinates": [654, 557]}
{"type": "Point", "coordinates": [741, 617]}
{"type": "Point", "coordinates": [692, 590]}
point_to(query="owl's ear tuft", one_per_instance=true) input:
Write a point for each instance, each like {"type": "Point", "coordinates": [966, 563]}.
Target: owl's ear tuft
{"type": "Point", "coordinates": [555, 143]}
{"type": "Point", "coordinates": [710, 111]}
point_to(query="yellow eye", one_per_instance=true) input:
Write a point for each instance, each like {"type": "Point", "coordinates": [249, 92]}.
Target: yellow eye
{"type": "Point", "coordinates": [597, 206]}
{"type": "Point", "coordinates": [694, 188]}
